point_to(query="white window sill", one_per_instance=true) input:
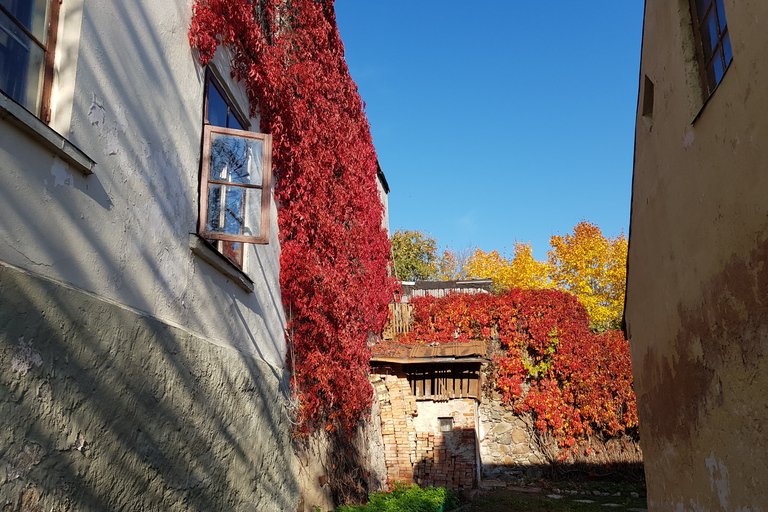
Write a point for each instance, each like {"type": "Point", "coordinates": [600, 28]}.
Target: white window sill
{"type": "Point", "coordinates": [214, 258]}
{"type": "Point", "coordinates": [46, 135]}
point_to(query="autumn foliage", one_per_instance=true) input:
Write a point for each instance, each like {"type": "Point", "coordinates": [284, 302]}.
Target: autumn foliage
{"type": "Point", "coordinates": [594, 269]}
{"type": "Point", "coordinates": [573, 381]}
{"type": "Point", "coordinates": [334, 253]}
{"type": "Point", "coordinates": [586, 264]}
{"type": "Point", "coordinates": [521, 271]}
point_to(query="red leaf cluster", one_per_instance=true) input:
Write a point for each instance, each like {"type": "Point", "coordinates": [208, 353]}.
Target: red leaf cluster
{"type": "Point", "coordinates": [334, 253]}
{"type": "Point", "coordinates": [574, 381]}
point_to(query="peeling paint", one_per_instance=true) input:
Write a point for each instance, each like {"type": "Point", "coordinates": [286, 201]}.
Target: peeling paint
{"type": "Point", "coordinates": [96, 112]}
{"type": "Point", "coordinates": [29, 456]}
{"type": "Point", "coordinates": [719, 482]}
{"type": "Point", "coordinates": [61, 175]}
{"type": "Point", "coordinates": [23, 361]}
{"type": "Point", "coordinates": [689, 137]}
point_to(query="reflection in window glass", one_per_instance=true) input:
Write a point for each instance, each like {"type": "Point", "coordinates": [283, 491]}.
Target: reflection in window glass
{"type": "Point", "coordinates": [232, 197]}
{"type": "Point", "coordinates": [236, 159]}
{"type": "Point", "coordinates": [233, 251]}
{"type": "Point", "coordinates": [29, 14]}
{"type": "Point", "coordinates": [234, 210]}
{"type": "Point", "coordinates": [21, 65]}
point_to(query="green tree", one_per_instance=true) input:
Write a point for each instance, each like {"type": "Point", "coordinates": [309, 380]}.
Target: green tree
{"type": "Point", "coordinates": [415, 255]}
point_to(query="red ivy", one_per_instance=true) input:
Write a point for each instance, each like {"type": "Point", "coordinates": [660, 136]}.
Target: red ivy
{"type": "Point", "coordinates": [575, 382]}
{"type": "Point", "coordinates": [334, 253]}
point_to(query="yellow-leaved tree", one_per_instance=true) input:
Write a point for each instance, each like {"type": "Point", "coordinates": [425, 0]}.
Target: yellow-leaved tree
{"type": "Point", "coordinates": [594, 269]}
{"type": "Point", "coordinates": [585, 264]}
{"type": "Point", "coordinates": [520, 271]}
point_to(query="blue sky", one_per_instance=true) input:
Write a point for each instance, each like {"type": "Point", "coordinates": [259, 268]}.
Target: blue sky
{"type": "Point", "coordinates": [499, 120]}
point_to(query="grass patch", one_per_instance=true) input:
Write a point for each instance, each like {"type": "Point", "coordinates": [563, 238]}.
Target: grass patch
{"type": "Point", "coordinates": [407, 498]}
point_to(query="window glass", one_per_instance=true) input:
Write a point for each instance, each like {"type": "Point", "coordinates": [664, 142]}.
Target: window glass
{"type": "Point", "coordinates": [727, 49]}
{"type": "Point", "coordinates": [31, 14]}
{"type": "Point", "coordinates": [234, 210]}
{"type": "Point", "coordinates": [717, 66]}
{"type": "Point", "coordinates": [701, 6]}
{"type": "Point", "coordinates": [236, 159]}
{"type": "Point", "coordinates": [721, 15]}
{"type": "Point", "coordinates": [233, 122]}
{"type": "Point", "coordinates": [716, 51]}
{"type": "Point", "coordinates": [709, 33]}
{"type": "Point", "coordinates": [217, 107]}
{"type": "Point", "coordinates": [21, 64]}
{"type": "Point", "coordinates": [233, 251]}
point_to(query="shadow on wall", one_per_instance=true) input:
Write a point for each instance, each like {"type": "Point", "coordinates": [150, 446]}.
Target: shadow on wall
{"type": "Point", "coordinates": [446, 459]}
{"type": "Point", "coordinates": [122, 232]}
{"type": "Point", "coordinates": [105, 408]}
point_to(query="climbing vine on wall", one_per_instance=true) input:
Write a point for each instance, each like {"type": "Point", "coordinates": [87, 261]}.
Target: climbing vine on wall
{"type": "Point", "coordinates": [573, 381]}
{"type": "Point", "coordinates": [334, 253]}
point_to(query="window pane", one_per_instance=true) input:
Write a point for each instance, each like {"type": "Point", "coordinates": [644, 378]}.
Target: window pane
{"type": "Point", "coordinates": [727, 49]}
{"type": "Point", "coordinates": [252, 212]}
{"type": "Point", "coordinates": [21, 65]}
{"type": "Point", "coordinates": [236, 159]}
{"type": "Point", "coordinates": [31, 14]}
{"type": "Point", "coordinates": [233, 251]}
{"type": "Point", "coordinates": [234, 210]}
{"type": "Point", "coordinates": [721, 15]}
{"type": "Point", "coordinates": [225, 209]}
{"type": "Point", "coordinates": [709, 34]}
{"type": "Point", "coordinates": [217, 107]}
{"type": "Point", "coordinates": [711, 82]}
{"type": "Point", "coordinates": [233, 122]}
{"type": "Point", "coordinates": [215, 221]}
{"type": "Point", "coordinates": [702, 6]}
{"type": "Point", "coordinates": [717, 66]}
{"type": "Point", "coordinates": [233, 216]}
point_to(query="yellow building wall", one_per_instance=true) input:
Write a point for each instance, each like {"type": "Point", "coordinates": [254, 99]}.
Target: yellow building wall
{"type": "Point", "coordinates": [697, 286]}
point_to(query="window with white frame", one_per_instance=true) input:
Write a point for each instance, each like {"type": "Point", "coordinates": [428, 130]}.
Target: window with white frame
{"type": "Point", "coordinates": [27, 42]}
{"type": "Point", "coordinates": [235, 184]}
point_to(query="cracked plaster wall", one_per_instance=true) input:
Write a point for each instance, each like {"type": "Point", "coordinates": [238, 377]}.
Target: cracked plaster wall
{"type": "Point", "coordinates": [696, 311]}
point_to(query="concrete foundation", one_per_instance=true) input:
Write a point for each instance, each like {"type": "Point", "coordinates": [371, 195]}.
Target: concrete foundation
{"type": "Point", "coordinates": [104, 407]}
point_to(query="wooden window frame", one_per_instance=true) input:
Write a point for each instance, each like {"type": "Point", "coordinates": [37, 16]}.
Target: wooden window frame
{"type": "Point", "coordinates": [49, 47]}
{"type": "Point", "coordinates": [211, 79]}
{"type": "Point", "coordinates": [216, 239]}
{"type": "Point", "coordinates": [706, 56]}
{"type": "Point", "coordinates": [265, 187]}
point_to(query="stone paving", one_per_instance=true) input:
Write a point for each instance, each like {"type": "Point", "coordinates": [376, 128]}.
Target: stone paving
{"type": "Point", "coordinates": [563, 494]}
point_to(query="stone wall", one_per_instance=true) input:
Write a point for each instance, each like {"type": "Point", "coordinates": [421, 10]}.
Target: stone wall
{"type": "Point", "coordinates": [104, 407]}
{"type": "Point", "coordinates": [507, 448]}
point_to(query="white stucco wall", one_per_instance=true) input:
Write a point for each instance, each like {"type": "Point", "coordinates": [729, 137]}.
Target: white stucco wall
{"type": "Point", "coordinates": [384, 198]}
{"type": "Point", "coordinates": [129, 93]}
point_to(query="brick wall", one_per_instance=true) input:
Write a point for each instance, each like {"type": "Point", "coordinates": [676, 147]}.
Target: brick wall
{"type": "Point", "coordinates": [415, 449]}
